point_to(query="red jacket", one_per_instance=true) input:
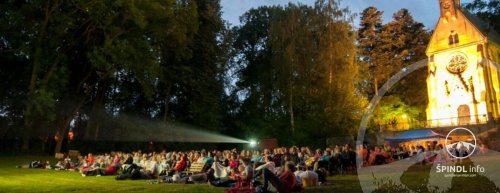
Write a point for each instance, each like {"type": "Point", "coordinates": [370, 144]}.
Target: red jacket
{"type": "Point", "coordinates": [110, 170]}
{"type": "Point", "coordinates": [288, 180]}
{"type": "Point", "coordinates": [181, 164]}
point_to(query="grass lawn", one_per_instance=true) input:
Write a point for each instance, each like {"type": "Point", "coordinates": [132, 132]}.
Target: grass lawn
{"type": "Point", "coordinates": [13, 179]}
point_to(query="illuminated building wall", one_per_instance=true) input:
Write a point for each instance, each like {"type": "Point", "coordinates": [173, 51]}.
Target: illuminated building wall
{"type": "Point", "coordinates": [463, 86]}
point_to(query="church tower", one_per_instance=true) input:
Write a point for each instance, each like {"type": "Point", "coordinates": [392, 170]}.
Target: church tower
{"type": "Point", "coordinates": [463, 82]}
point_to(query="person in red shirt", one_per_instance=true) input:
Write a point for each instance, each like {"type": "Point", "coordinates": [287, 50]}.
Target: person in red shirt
{"type": "Point", "coordinates": [285, 182]}
{"type": "Point", "coordinates": [233, 163]}
{"type": "Point", "coordinates": [110, 170]}
{"type": "Point", "coordinates": [90, 159]}
{"type": "Point", "coordinates": [180, 165]}
{"type": "Point", "coordinates": [365, 155]}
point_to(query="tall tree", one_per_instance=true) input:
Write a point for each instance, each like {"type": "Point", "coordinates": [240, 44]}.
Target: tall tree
{"type": "Point", "coordinates": [76, 49]}
{"type": "Point", "coordinates": [256, 92]}
{"type": "Point", "coordinates": [404, 42]}
{"type": "Point", "coordinates": [368, 40]}
{"type": "Point", "coordinates": [298, 71]}
{"type": "Point", "coordinates": [399, 43]}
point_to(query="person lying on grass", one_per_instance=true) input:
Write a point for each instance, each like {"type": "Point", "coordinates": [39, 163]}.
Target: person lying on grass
{"type": "Point", "coordinates": [36, 164]}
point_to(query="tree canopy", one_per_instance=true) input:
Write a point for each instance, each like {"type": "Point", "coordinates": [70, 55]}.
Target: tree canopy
{"type": "Point", "coordinates": [298, 73]}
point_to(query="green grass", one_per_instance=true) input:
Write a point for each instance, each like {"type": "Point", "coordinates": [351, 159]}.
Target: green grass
{"type": "Point", "coordinates": [14, 179]}
{"type": "Point", "coordinates": [40, 180]}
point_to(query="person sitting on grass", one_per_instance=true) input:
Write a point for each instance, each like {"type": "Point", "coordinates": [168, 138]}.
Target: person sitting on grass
{"type": "Point", "coordinates": [235, 174]}
{"type": "Point", "coordinates": [219, 170]}
{"type": "Point", "coordinates": [277, 157]}
{"type": "Point", "coordinates": [285, 182]}
{"type": "Point", "coordinates": [137, 158]}
{"type": "Point", "coordinates": [209, 159]}
{"type": "Point", "coordinates": [246, 173]}
{"type": "Point", "coordinates": [144, 161]}
{"type": "Point", "coordinates": [95, 169]}
{"type": "Point", "coordinates": [90, 159]}
{"type": "Point", "coordinates": [128, 161]}
{"type": "Point", "coordinates": [59, 165]}
{"type": "Point", "coordinates": [323, 160]}
{"type": "Point", "coordinates": [386, 155]}
{"type": "Point", "coordinates": [374, 154]}
{"type": "Point", "coordinates": [111, 169]}
{"type": "Point", "coordinates": [236, 177]}
{"type": "Point", "coordinates": [154, 166]}
{"type": "Point", "coordinates": [233, 163]}
{"type": "Point", "coordinates": [47, 165]}
{"type": "Point", "coordinates": [117, 160]}
{"type": "Point", "coordinates": [305, 177]}
{"type": "Point", "coordinates": [293, 155]}
{"type": "Point", "coordinates": [256, 157]}
{"type": "Point", "coordinates": [179, 165]}
{"type": "Point", "coordinates": [84, 166]}
{"type": "Point", "coordinates": [268, 164]}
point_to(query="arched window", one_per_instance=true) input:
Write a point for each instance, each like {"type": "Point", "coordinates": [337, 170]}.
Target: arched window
{"type": "Point", "coordinates": [453, 38]}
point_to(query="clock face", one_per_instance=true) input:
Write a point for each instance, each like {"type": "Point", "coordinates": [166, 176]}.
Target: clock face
{"type": "Point", "coordinates": [457, 64]}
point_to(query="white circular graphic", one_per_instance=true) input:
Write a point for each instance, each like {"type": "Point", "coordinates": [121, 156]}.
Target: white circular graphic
{"type": "Point", "coordinates": [461, 144]}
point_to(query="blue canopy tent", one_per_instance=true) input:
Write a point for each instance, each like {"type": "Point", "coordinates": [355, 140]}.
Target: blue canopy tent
{"type": "Point", "coordinates": [415, 136]}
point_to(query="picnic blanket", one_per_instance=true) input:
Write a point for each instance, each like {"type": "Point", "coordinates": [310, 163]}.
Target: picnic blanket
{"type": "Point", "coordinates": [220, 171]}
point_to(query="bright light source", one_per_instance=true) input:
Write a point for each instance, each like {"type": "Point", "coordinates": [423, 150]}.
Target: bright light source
{"type": "Point", "coordinates": [404, 116]}
{"type": "Point", "coordinates": [253, 143]}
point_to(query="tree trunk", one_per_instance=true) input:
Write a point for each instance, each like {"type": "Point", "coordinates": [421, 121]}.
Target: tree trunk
{"type": "Point", "coordinates": [28, 114]}
{"type": "Point", "coordinates": [375, 86]}
{"type": "Point", "coordinates": [292, 121]}
{"type": "Point", "coordinates": [97, 112]}
{"type": "Point", "coordinates": [290, 101]}
{"type": "Point", "coordinates": [96, 136]}
{"type": "Point", "coordinates": [167, 101]}
{"type": "Point", "coordinates": [63, 130]}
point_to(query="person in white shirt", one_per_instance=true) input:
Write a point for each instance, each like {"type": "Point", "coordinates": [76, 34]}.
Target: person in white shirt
{"type": "Point", "coordinates": [269, 164]}
{"type": "Point", "coordinates": [136, 159]}
{"type": "Point", "coordinates": [305, 177]}
{"type": "Point", "coordinates": [144, 162]}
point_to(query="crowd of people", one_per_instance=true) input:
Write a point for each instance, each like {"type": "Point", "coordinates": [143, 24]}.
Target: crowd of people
{"type": "Point", "coordinates": [282, 169]}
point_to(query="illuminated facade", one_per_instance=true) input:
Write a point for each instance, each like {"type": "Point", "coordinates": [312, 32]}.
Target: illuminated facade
{"type": "Point", "coordinates": [463, 82]}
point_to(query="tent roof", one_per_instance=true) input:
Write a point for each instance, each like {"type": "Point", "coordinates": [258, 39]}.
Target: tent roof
{"type": "Point", "coordinates": [415, 134]}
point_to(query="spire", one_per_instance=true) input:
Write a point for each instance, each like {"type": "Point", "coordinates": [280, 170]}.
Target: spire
{"type": "Point", "coordinates": [449, 9]}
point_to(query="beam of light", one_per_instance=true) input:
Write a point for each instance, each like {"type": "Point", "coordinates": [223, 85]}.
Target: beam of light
{"type": "Point", "coordinates": [128, 128]}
